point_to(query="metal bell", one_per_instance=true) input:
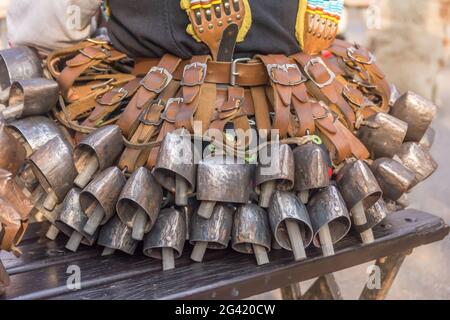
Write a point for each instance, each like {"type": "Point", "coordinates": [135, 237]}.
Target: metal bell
{"type": "Point", "coordinates": [383, 135]}
{"type": "Point", "coordinates": [375, 215]}
{"type": "Point", "coordinates": [360, 191]}
{"type": "Point", "coordinates": [189, 211]}
{"type": "Point", "coordinates": [395, 95]}
{"type": "Point", "coordinates": [71, 216]}
{"type": "Point", "coordinates": [53, 166]}
{"type": "Point", "coordinates": [417, 112]}
{"type": "Point", "coordinates": [222, 179]}
{"type": "Point", "coordinates": [19, 63]}
{"type": "Point", "coordinates": [276, 174]}
{"type": "Point", "coordinates": [311, 170]}
{"type": "Point", "coordinates": [175, 169]}
{"type": "Point", "coordinates": [394, 178]}
{"type": "Point", "coordinates": [166, 239]}
{"type": "Point", "coordinates": [98, 200]}
{"type": "Point", "coordinates": [31, 98]}
{"type": "Point", "coordinates": [290, 223]}
{"type": "Point", "coordinates": [116, 235]}
{"type": "Point", "coordinates": [139, 202]}
{"type": "Point", "coordinates": [418, 160]}
{"type": "Point", "coordinates": [13, 154]}
{"type": "Point", "coordinates": [251, 232]}
{"type": "Point", "coordinates": [96, 152]}
{"type": "Point", "coordinates": [329, 218]}
{"type": "Point", "coordinates": [427, 141]}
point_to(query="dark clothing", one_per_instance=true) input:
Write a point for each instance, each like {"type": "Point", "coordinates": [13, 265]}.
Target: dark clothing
{"type": "Point", "coordinates": [151, 28]}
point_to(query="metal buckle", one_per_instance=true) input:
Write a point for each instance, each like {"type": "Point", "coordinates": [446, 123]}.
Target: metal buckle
{"type": "Point", "coordinates": [105, 51]}
{"type": "Point", "coordinates": [351, 55]}
{"type": "Point", "coordinates": [285, 68]}
{"type": "Point", "coordinates": [164, 85]}
{"type": "Point", "coordinates": [146, 111]}
{"type": "Point", "coordinates": [122, 91]}
{"type": "Point", "coordinates": [195, 65]}
{"type": "Point", "coordinates": [330, 73]}
{"type": "Point", "coordinates": [98, 41]}
{"type": "Point", "coordinates": [234, 73]}
{"type": "Point", "coordinates": [168, 104]}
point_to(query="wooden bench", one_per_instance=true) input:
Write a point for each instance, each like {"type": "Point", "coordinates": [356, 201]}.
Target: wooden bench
{"type": "Point", "coordinates": [41, 272]}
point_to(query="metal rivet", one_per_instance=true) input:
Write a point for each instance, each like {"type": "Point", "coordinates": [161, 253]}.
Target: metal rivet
{"type": "Point", "coordinates": [220, 23]}
{"type": "Point", "coordinates": [201, 30]}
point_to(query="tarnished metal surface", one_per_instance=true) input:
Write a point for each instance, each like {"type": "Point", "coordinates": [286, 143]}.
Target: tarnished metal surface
{"type": "Point", "coordinates": [428, 139]}
{"type": "Point", "coordinates": [19, 63]}
{"type": "Point", "coordinates": [250, 226]}
{"type": "Point", "coordinates": [70, 214]}
{"type": "Point", "coordinates": [417, 112]}
{"type": "Point", "coordinates": [37, 131]}
{"type": "Point", "coordinates": [216, 231]}
{"type": "Point", "coordinates": [375, 215]}
{"type": "Point", "coordinates": [311, 168]}
{"type": "Point", "coordinates": [38, 96]}
{"type": "Point", "coordinates": [223, 180]}
{"type": "Point", "coordinates": [357, 183]}
{"type": "Point", "coordinates": [189, 211]}
{"type": "Point", "coordinates": [105, 143]}
{"type": "Point", "coordinates": [395, 95]}
{"type": "Point", "coordinates": [141, 190]}
{"type": "Point", "coordinates": [280, 168]}
{"type": "Point", "coordinates": [53, 166]}
{"type": "Point", "coordinates": [394, 178]}
{"type": "Point", "coordinates": [13, 154]}
{"type": "Point", "coordinates": [116, 235]}
{"type": "Point", "coordinates": [176, 157]}
{"type": "Point", "coordinates": [418, 160]}
{"type": "Point", "coordinates": [169, 231]}
{"type": "Point", "coordinates": [383, 135]}
{"type": "Point", "coordinates": [103, 190]}
{"type": "Point", "coordinates": [327, 207]}
{"type": "Point", "coordinates": [285, 206]}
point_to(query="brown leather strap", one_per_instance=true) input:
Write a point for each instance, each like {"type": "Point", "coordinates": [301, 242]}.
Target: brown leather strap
{"type": "Point", "coordinates": [261, 105]}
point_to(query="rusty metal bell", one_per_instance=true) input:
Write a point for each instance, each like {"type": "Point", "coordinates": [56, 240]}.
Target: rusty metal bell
{"type": "Point", "coordinates": [71, 216]}
{"type": "Point", "coordinates": [311, 170]}
{"type": "Point", "coordinates": [417, 112]}
{"type": "Point", "coordinates": [251, 232]}
{"type": "Point", "coordinates": [98, 200]}
{"type": "Point", "coordinates": [13, 154]}
{"type": "Point", "coordinates": [96, 152]}
{"type": "Point", "coordinates": [418, 160]}
{"type": "Point", "coordinates": [175, 169]}
{"type": "Point", "coordinates": [383, 135]}
{"type": "Point", "coordinates": [394, 178]}
{"type": "Point", "coordinates": [330, 219]}
{"type": "Point", "coordinates": [277, 174]}
{"type": "Point", "coordinates": [375, 215]}
{"type": "Point", "coordinates": [139, 202]}
{"type": "Point", "coordinates": [19, 63]}
{"type": "Point", "coordinates": [427, 141]}
{"type": "Point", "coordinates": [213, 233]}
{"type": "Point", "coordinates": [290, 223]}
{"type": "Point", "coordinates": [222, 179]}
{"type": "Point", "coordinates": [115, 235]}
{"type": "Point", "coordinates": [53, 166]}
{"type": "Point", "coordinates": [166, 239]}
{"type": "Point", "coordinates": [31, 97]}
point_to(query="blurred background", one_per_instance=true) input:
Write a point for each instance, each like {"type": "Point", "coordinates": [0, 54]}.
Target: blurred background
{"type": "Point", "coordinates": [411, 39]}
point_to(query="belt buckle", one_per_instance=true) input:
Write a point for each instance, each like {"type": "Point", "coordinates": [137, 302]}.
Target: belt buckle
{"type": "Point", "coordinates": [195, 65]}
{"type": "Point", "coordinates": [167, 80]}
{"type": "Point", "coordinates": [122, 91]}
{"type": "Point", "coordinates": [168, 104]}
{"type": "Point", "coordinates": [146, 111]}
{"type": "Point", "coordinates": [351, 55]}
{"type": "Point", "coordinates": [285, 68]}
{"type": "Point", "coordinates": [318, 60]}
{"type": "Point", "coordinates": [234, 72]}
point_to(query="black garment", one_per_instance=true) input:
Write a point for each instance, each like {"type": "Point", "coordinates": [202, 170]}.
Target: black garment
{"type": "Point", "coordinates": [151, 28]}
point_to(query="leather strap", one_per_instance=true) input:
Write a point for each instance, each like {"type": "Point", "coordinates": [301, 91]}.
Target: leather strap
{"type": "Point", "coordinates": [261, 105]}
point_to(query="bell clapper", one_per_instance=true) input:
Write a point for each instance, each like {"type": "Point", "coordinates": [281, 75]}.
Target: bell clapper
{"type": "Point", "coordinates": [89, 170]}
{"type": "Point", "coordinates": [303, 196]}
{"type": "Point", "coordinates": [13, 112]}
{"type": "Point", "coordinates": [52, 232]}
{"type": "Point", "coordinates": [326, 241]}
{"type": "Point", "coordinates": [206, 209]}
{"type": "Point", "coordinates": [50, 201]}
{"type": "Point", "coordinates": [403, 201]}
{"type": "Point", "coordinates": [108, 251]}
{"type": "Point", "coordinates": [199, 251]}
{"type": "Point", "coordinates": [181, 191]}
{"type": "Point", "coordinates": [74, 241]}
{"type": "Point", "coordinates": [296, 240]}
{"type": "Point", "coordinates": [260, 254]}
{"type": "Point", "coordinates": [267, 189]}
{"type": "Point", "coordinates": [359, 218]}
{"type": "Point", "coordinates": [94, 220]}
{"type": "Point", "coordinates": [140, 221]}
{"type": "Point", "coordinates": [168, 259]}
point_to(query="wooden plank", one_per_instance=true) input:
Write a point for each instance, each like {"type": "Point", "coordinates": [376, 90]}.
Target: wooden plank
{"type": "Point", "coordinates": [224, 274]}
{"type": "Point", "coordinates": [324, 288]}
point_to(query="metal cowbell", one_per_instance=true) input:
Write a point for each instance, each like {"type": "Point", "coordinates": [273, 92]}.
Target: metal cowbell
{"type": "Point", "coordinates": [251, 232]}
{"type": "Point", "coordinates": [395, 95]}
{"type": "Point", "coordinates": [275, 173]}
{"type": "Point", "coordinates": [96, 152]}
{"type": "Point", "coordinates": [428, 139]}
{"type": "Point", "coordinates": [98, 200]}
{"type": "Point", "coordinates": [166, 239]}
{"type": "Point", "coordinates": [175, 169]}
{"type": "Point", "coordinates": [375, 215]}
{"type": "Point", "coordinates": [115, 235]}
{"type": "Point", "coordinates": [417, 112]}
{"type": "Point", "coordinates": [13, 154]}
{"type": "Point", "coordinates": [383, 135]}
{"type": "Point", "coordinates": [139, 202]}
{"type": "Point", "coordinates": [213, 233]}
{"type": "Point", "coordinates": [290, 223]}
